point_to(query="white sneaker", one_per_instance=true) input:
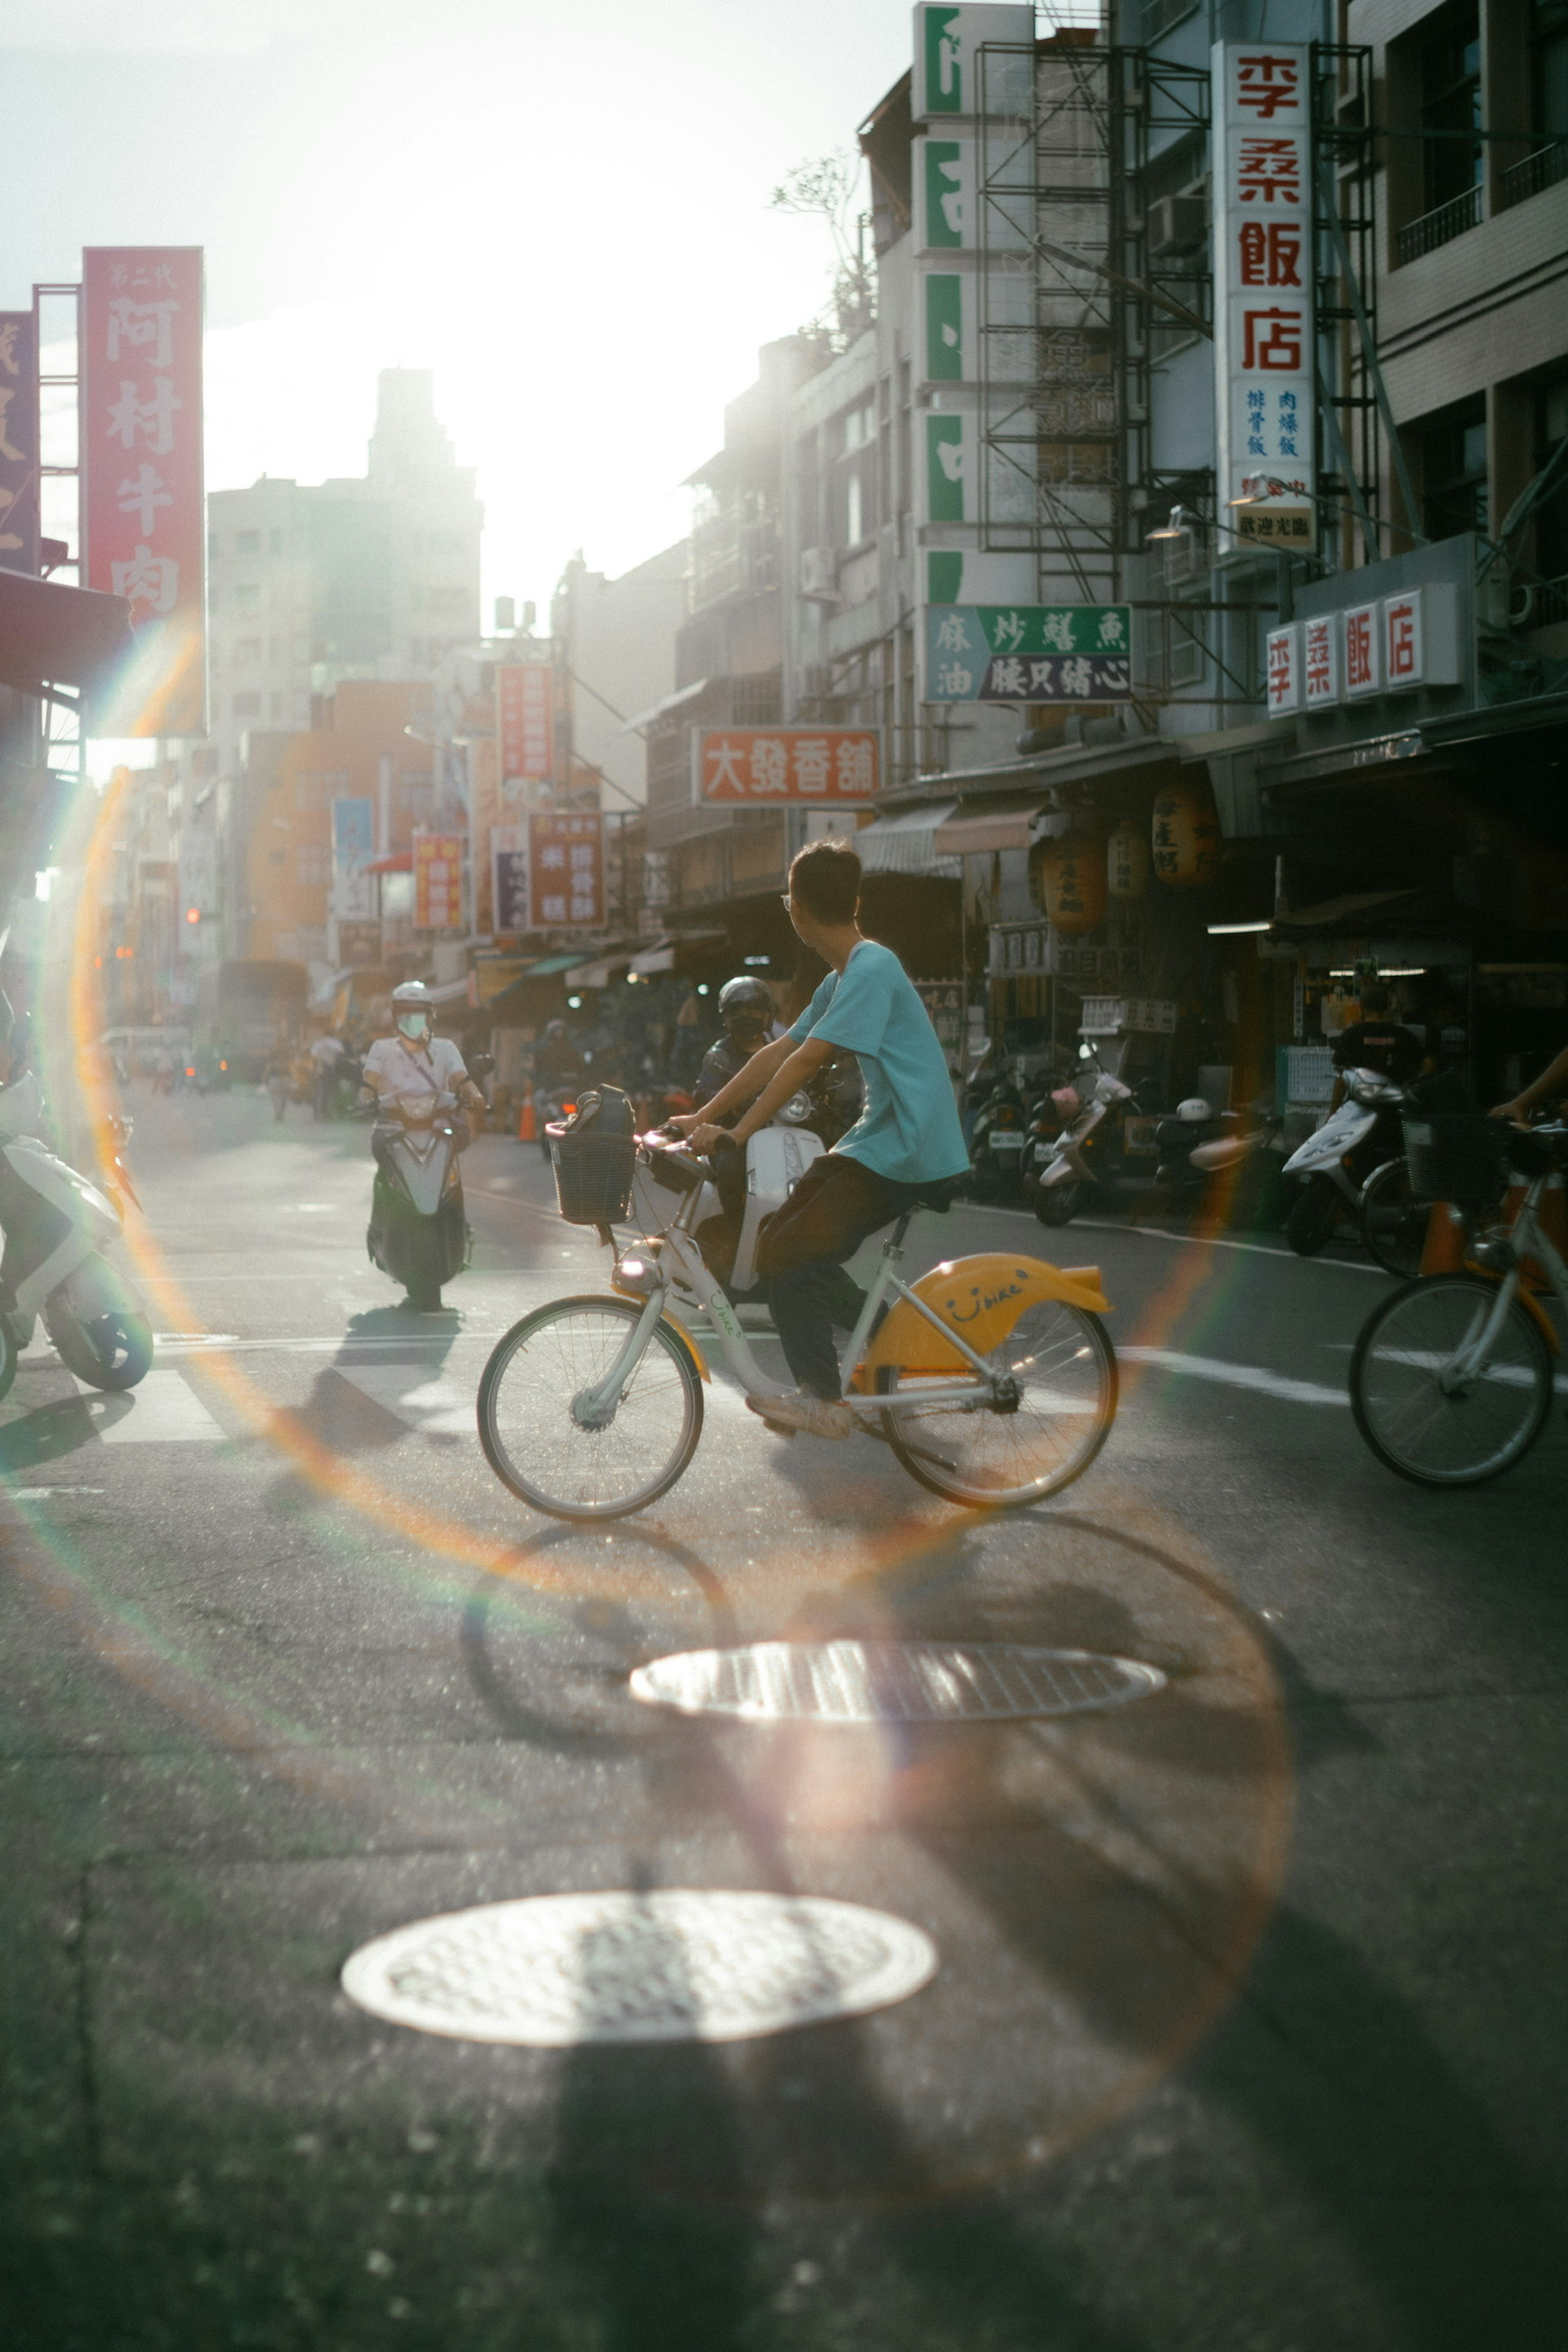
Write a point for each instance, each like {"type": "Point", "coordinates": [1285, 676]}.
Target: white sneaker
{"type": "Point", "coordinates": [800, 1410]}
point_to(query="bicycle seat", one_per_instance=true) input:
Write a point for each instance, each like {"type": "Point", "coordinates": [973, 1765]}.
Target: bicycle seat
{"type": "Point", "coordinates": [938, 1196]}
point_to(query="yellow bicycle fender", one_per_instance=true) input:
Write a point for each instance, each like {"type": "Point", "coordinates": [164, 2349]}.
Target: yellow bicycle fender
{"type": "Point", "coordinates": [695, 1351]}
{"type": "Point", "coordinates": [984, 1297]}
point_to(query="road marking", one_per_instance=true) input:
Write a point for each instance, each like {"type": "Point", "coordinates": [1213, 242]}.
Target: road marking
{"type": "Point", "coordinates": [435, 1408]}
{"type": "Point", "coordinates": [1235, 1376]}
{"type": "Point", "coordinates": [1215, 1241]}
{"type": "Point", "coordinates": [161, 1410]}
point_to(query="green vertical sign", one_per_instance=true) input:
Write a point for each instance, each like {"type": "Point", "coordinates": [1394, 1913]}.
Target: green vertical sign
{"type": "Point", "coordinates": [943, 169]}
{"type": "Point", "coordinates": [943, 75]}
{"type": "Point", "coordinates": [944, 329]}
{"type": "Point", "coordinates": [944, 468]}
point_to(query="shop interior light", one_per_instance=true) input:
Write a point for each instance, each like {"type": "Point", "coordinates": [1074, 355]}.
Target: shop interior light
{"type": "Point", "coordinates": [1228, 930]}
{"type": "Point", "coordinates": [1400, 970]}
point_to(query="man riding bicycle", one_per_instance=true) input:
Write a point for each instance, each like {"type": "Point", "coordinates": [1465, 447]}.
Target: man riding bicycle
{"type": "Point", "coordinates": [907, 1141]}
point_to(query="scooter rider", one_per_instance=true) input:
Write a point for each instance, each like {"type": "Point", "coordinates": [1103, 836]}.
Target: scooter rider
{"type": "Point", "coordinates": [1375, 1042]}
{"type": "Point", "coordinates": [746, 1009]}
{"type": "Point", "coordinates": [413, 1061]}
{"type": "Point", "coordinates": [906, 1142]}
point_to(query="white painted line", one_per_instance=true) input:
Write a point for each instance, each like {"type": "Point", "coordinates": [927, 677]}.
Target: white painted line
{"type": "Point", "coordinates": [161, 1410]}
{"type": "Point", "coordinates": [1215, 1241]}
{"type": "Point", "coordinates": [1235, 1376]}
{"type": "Point", "coordinates": [436, 1408]}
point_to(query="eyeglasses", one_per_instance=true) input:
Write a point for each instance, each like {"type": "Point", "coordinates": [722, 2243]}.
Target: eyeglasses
{"type": "Point", "coordinates": [784, 900]}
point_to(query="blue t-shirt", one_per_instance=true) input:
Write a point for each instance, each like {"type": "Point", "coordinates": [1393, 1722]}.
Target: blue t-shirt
{"type": "Point", "coordinates": [908, 1130]}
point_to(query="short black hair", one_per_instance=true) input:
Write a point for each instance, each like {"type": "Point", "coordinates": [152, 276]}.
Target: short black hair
{"type": "Point", "coordinates": [1374, 997]}
{"type": "Point", "coordinates": [826, 878]}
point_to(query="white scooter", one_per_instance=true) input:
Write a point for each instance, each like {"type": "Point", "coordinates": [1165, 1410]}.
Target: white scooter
{"type": "Point", "coordinates": [1349, 1165]}
{"type": "Point", "coordinates": [1055, 1190]}
{"type": "Point", "coordinates": [56, 1227]}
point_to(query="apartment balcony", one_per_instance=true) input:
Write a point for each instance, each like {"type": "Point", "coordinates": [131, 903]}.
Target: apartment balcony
{"type": "Point", "coordinates": [1528, 178]}
{"type": "Point", "coordinates": [1440, 225]}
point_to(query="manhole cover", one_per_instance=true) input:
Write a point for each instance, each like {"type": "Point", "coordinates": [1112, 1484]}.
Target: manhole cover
{"type": "Point", "coordinates": [672, 1965]}
{"type": "Point", "coordinates": [891, 1682]}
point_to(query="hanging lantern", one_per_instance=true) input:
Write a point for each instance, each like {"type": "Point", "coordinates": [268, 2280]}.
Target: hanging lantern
{"type": "Point", "coordinates": [1185, 836]}
{"type": "Point", "coordinates": [1072, 884]}
{"type": "Point", "coordinates": [1127, 861]}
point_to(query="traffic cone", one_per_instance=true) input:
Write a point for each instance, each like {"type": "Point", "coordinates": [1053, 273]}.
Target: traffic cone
{"type": "Point", "coordinates": [528, 1125]}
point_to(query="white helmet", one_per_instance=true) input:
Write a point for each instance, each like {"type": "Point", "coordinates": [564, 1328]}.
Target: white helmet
{"type": "Point", "coordinates": [1193, 1109]}
{"type": "Point", "coordinates": [411, 991]}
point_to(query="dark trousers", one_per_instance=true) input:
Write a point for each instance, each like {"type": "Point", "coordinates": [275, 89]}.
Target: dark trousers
{"type": "Point", "coordinates": [800, 1260]}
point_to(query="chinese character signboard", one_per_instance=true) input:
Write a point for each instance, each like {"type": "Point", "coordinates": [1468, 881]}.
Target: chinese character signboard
{"type": "Point", "coordinates": [953, 75]}
{"type": "Point", "coordinates": [1283, 670]}
{"type": "Point", "coordinates": [566, 872]}
{"type": "Point", "coordinates": [508, 879]}
{"type": "Point", "coordinates": [1388, 645]}
{"type": "Point", "coordinates": [438, 882]}
{"type": "Point", "coordinates": [143, 529]}
{"type": "Point", "coordinates": [1028, 653]}
{"type": "Point", "coordinates": [783, 764]}
{"type": "Point", "coordinates": [18, 441]}
{"type": "Point", "coordinates": [525, 721]}
{"type": "Point", "coordinates": [1320, 661]}
{"type": "Point", "coordinates": [1364, 669]}
{"type": "Point", "coordinates": [353, 850]}
{"type": "Point", "coordinates": [1264, 358]}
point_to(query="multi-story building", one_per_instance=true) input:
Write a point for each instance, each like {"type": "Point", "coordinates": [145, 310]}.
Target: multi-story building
{"type": "Point", "coordinates": [354, 579]}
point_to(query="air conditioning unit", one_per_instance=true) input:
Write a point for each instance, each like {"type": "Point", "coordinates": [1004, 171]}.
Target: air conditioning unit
{"type": "Point", "coordinates": [1177, 225]}
{"type": "Point", "coordinates": [819, 574]}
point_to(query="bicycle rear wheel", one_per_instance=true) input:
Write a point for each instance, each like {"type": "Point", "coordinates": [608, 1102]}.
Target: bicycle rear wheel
{"type": "Point", "coordinates": [1438, 1436]}
{"type": "Point", "coordinates": [546, 1457]}
{"type": "Point", "coordinates": [1063, 1361]}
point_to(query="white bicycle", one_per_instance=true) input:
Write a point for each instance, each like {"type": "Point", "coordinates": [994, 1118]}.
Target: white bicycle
{"type": "Point", "coordinates": [1452, 1378]}
{"type": "Point", "coordinates": [992, 1378]}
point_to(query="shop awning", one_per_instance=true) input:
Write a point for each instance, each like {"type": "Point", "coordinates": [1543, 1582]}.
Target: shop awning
{"type": "Point", "coordinates": [401, 865]}
{"type": "Point", "coordinates": [447, 992]}
{"type": "Point", "coordinates": [906, 843]}
{"type": "Point", "coordinates": [661, 709]}
{"type": "Point", "coordinates": [54, 635]}
{"type": "Point", "coordinates": [976, 836]}
{"type": "Point", "coordinates": [662, 954]}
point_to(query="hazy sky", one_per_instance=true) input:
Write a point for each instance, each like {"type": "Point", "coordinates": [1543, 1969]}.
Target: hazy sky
{"type": "Point", "coordinates": [562, 209]}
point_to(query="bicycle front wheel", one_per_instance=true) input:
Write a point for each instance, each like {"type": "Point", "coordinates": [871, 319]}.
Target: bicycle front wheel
{"type": "Point", "coordinates": [1425, 1428]}
{"type": "Point", "coordinates": [536, 1446]}
{"type": "Point", "coordinates": [1000, 1459]}
{"type": "Point", "coordinates": [1393, 1220]}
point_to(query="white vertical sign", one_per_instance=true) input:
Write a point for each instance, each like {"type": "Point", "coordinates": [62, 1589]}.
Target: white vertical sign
{"type": "Point", "coordinates": [1264, 405]}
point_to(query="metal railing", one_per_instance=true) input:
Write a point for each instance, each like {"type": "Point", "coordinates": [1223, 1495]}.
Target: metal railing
{"type": "Point", "coordinates": [1441, 225]}
{"type": "Point", "coordinates": [1527, 178]}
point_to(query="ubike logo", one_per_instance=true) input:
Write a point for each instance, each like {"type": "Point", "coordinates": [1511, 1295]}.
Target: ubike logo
{"type": "Point", "coordinates": [983, 1305]}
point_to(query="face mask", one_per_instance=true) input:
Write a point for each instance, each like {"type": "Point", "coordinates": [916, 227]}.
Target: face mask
{"type": "Point", "coordinates": [413, 1024]}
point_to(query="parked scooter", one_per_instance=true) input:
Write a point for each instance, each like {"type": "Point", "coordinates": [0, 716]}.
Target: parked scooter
{"type": "Point", "coordinates": [56, 1224]}
{"type": "Point", "coordinates": [1203, 1151]}
{"type": "Point", "coordinates": [1347, 1162]}
{"type": "Point", "coordinates": [997, 1143]}
{"type": "Point", "coordinates": [1067, 1168]}
{"type": "Point", "coordinates": [418, 1231]}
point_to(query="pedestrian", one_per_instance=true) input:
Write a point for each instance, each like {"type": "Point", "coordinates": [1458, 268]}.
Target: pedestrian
{"type": "Point", "coordinates": [1376, 1042]}
{"type": "Point", "coordinates": [1553, 1081]}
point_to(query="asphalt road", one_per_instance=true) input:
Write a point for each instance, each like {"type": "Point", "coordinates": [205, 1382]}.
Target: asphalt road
{"type": "Point", "coordinates": [1247, 2028]}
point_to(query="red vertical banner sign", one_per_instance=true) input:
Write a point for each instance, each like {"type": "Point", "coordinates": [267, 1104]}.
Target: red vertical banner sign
{"type": "Point", "coordinates": [143, 524]}
{"type": "Point", "coordinates": [438, 882]}
{"type": "Point", "coordinates": [18, 441]}
{"type": "Point", "coordinates": [566, 872]}
{"type": "Point", "coordinates": [525, 697]}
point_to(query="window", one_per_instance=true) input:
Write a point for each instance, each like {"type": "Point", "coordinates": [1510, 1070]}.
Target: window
{"type": "Point", "coordinates": [278, 706]}
{"type": "Point", "coordinates": [313, 865]}
{"type": "Point", "coordinates": [274, 543]}
{"type": "Point", "coordinates": [1453, 472]}
{"type": "Point", "coordinates": [248, 543]}
{"type": "Point", "coordinates": [451, 601]}
{"type": "Point", "coordinates": [1552, 516]}
{"type": "Point", "coordinates": [248, 706]}
{"type": "Point", "coordinates": [446, 542]}
{"type": "Point", "coordinates": [246, 597]}
{"type": "Point", "coordinates": [246, 652]}
{"type": "Point", "coordinates": [1451, 101]}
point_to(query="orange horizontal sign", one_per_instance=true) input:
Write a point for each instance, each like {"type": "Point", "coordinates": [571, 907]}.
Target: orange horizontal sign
{"type": "Point", "coordinates": [810, 765]}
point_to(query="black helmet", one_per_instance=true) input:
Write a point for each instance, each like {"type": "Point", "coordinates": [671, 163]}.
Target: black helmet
{"type": "Point", "coordinates": [746, 1002]}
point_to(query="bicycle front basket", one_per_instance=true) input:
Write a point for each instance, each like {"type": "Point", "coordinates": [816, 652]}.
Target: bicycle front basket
{"type": "Point", "coordinates": [1456, 1156]}
{"type": "Point", "coordinates": [593, 1154]}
